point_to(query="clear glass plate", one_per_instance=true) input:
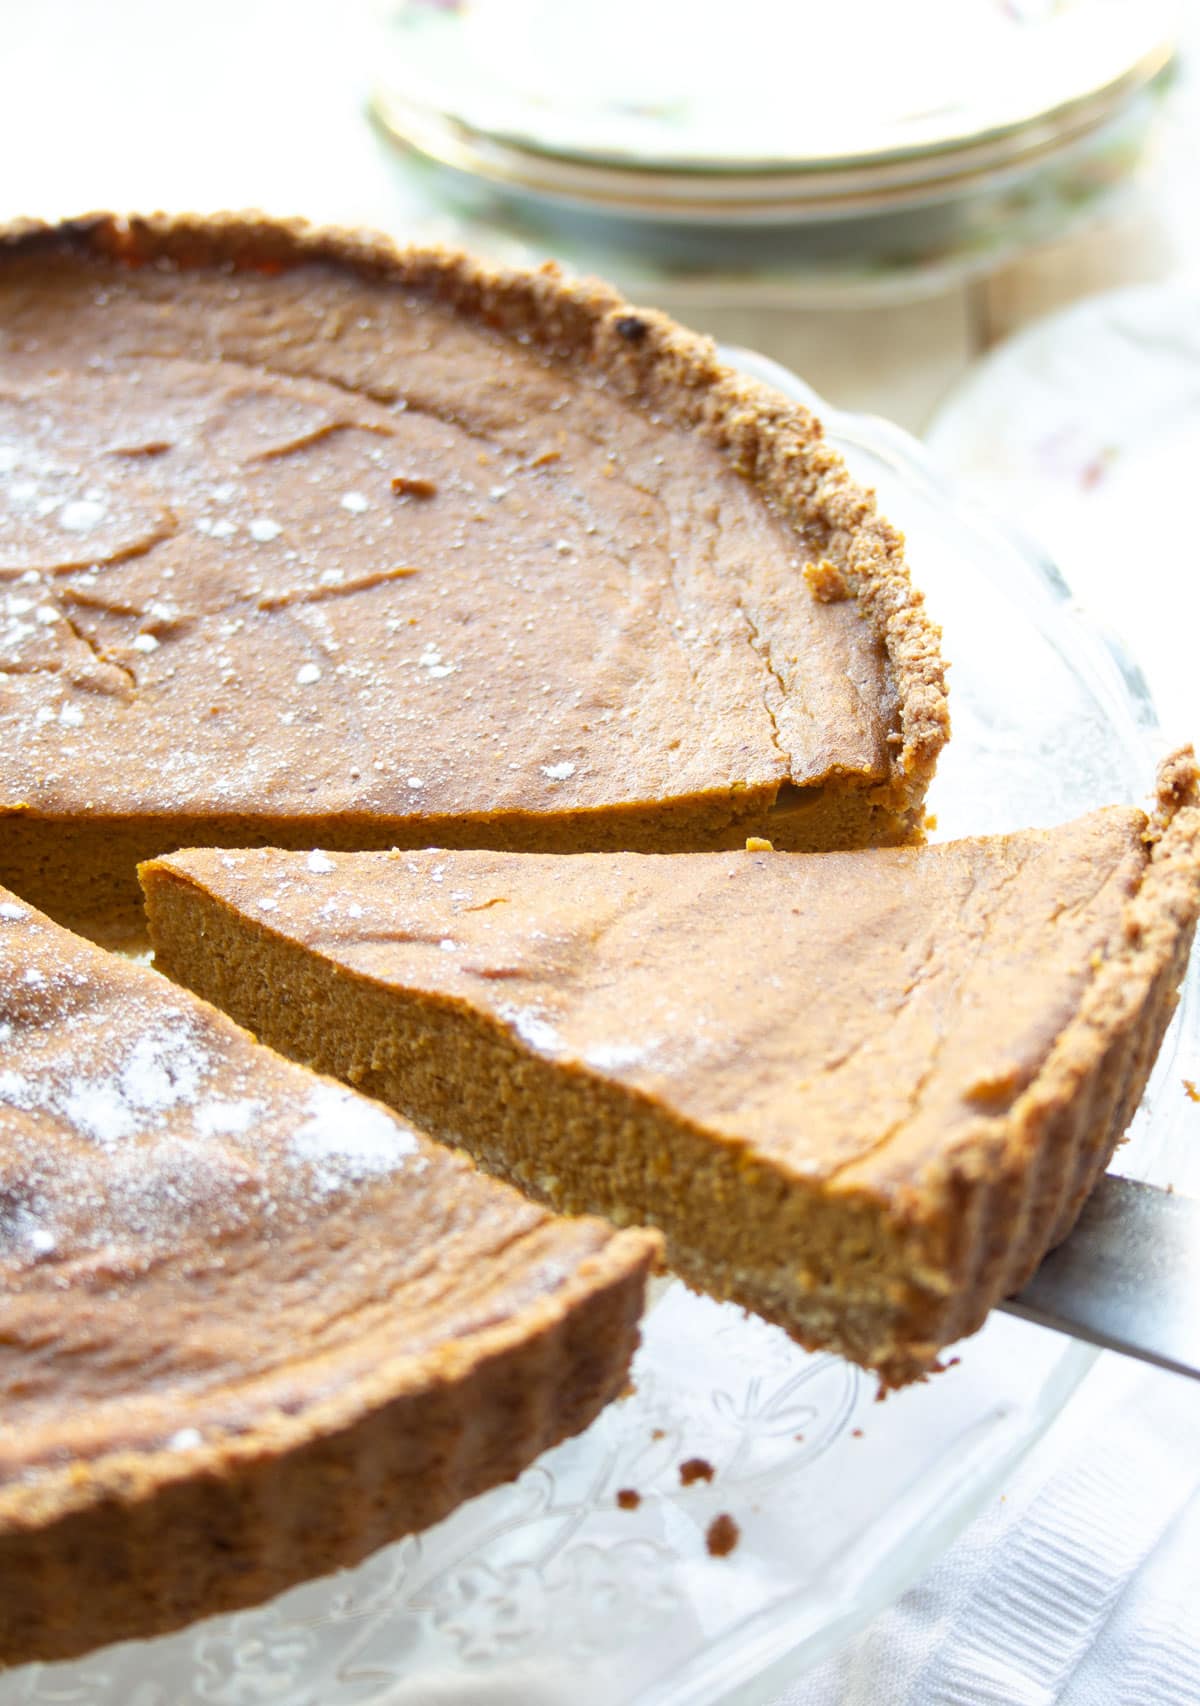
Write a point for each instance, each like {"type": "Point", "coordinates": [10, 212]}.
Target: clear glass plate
{"type": "Point", "coordinates": [546, 1590]}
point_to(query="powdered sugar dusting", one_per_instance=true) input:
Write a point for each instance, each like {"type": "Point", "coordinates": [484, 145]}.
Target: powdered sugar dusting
{"type": "Point", "coordinates": [105, 1102]}
{"type": "Point", "coordinates": [80, 515]}
{"type": "Point", "coordinates": [130, 1120]}
{"type": "Point", "coordinates": [349, 1138]}
{"type": "Point", "coordinates": [100, 1112]}
{"type": "Point", "coordinates": [226, 1119]}
{"type": "Point", "coordinates": [185, 1439]}
{"type": "Point", "coordinates": [532, 1028]}
{"type": "Point", "coordinates": [319, 864]}
{"type": "Point", "coordinates": [617, 1057]}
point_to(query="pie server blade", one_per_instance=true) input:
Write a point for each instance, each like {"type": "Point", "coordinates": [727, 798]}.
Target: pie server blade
{"type": "Point", "coordinates": [1127, 1278]}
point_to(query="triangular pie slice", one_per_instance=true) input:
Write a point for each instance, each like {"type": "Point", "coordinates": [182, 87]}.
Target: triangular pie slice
{"type": "Point", "coordinates": [251, 1324]}
{"type": "Point", "coordinates": [311, 541]}
{"type": "Point", "coordinates": [861, 1093]}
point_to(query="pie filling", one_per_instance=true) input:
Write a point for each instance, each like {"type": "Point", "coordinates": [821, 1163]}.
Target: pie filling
{"type": "Point", "coordinates": [379, 552]}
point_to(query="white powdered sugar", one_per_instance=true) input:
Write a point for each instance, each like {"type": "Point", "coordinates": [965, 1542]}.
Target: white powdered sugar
{"type": "Point", "coordinates": [434, 664]}
{"type": "Point", "coordinates": [100, 1112]}
{"type": "Point", "coordinates": [616, 1057]}
{"type": "Point", "coordinates": [539, 1033]}
{"type": "Point", "coordinates": [133, 1123]}
{"type": "Point", "coordinates": [348, 1138]}
{"type": "Point", "coordinates": [12, 912]}
{"type": "Point", "coordinates": [24, 1230]}
{"type": "Point", "coordinates": [80, 515]}
{"type": "Point", "coordinates": [185, 1439]}
{"type": "Point", "coordinates": [226, 1119]}
{"type": "Point", "coordinates": [162, 1070]}
{"type": "Point", "coordinates": [558, 772]}
{"type": "Point", "coordinates": [319, 864]}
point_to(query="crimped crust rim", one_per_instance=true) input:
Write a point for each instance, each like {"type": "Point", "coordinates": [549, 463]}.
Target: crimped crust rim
{"type": "Point", "coordinates": [136, 1475]}
{"type": "Point", "coordinates": [144, 1543]}
{"type": "Point", "coordinates": [1160, 911]}
{"type": "Point", "coordinates": [1015, 1185]}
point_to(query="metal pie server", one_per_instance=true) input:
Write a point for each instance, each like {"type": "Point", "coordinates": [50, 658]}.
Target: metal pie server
{"type": "Point", "coordinates": [1128, 1277]}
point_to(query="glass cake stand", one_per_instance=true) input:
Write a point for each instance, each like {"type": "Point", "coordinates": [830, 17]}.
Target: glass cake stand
{"type": "Point", "coordinates": [546, 1591]}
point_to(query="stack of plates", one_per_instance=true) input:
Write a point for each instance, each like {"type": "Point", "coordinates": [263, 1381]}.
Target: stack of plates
{"type": "Point", "coordinates": [777, 134]}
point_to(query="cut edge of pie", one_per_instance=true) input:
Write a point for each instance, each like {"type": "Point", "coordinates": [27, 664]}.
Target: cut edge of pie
{"type": "Point", "coordinates": [649, 361]}
{"type": "Point", "coordinates": [945, 1245]}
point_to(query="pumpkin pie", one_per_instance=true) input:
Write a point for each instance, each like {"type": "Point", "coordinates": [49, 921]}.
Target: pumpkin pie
{"type": "Point", "coordinates": [861, 1093]}
{"type": "Point", "coordinates": [252, 1325]}
{"type": "Point", "coordinates": [315, 542]}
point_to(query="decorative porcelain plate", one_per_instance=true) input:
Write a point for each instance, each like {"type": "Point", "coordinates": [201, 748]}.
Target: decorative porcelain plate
{"type": "Point", "coordinates": [551, 1590]}
{"type": "Point", "coordinates": [701, 84]}
{"type": "Point", "coordinates": [846, 258]}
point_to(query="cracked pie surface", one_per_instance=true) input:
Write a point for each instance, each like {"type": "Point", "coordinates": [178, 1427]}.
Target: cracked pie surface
{"type": "Point", "coordinates": [313, 542]}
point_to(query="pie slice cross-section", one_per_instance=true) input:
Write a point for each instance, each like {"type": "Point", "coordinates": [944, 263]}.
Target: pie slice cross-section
{"type": "Point", "coordinates": [861, 1093]}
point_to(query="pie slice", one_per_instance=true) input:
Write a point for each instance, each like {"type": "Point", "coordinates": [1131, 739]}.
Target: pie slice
{"type": "Point", "coordinates": [314, 542]}
{"type": "Point", "coordinates": [251, 1324]}
{"type": "Point", "coordinates": [861, 1093]}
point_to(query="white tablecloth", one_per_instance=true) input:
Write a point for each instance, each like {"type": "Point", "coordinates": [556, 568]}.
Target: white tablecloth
{"type": "Point", "coordinates": [1080, 1586]}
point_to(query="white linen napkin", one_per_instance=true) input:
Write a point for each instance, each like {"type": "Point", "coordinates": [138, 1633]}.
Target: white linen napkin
{"type": "Point", "coordinates": [1079, 1586]}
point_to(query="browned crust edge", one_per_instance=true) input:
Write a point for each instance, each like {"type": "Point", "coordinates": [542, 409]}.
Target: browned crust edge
{"type": "Point", "coordinates": [771, 440]}
{"type": "Point", "coordinates": [1012, 1188]}
{"type": "Point", "coordinates": [140, 1543]}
